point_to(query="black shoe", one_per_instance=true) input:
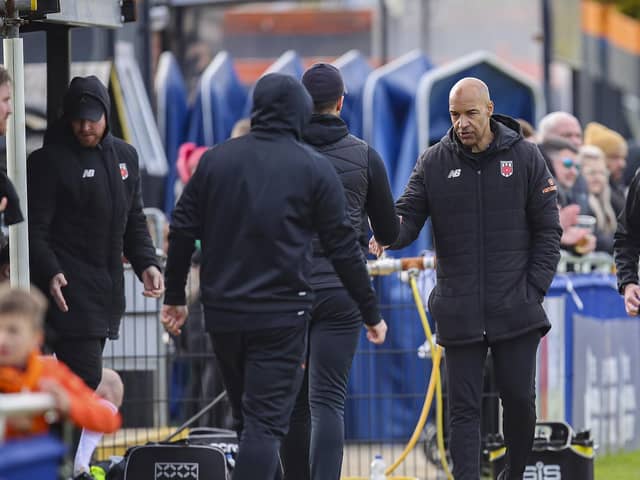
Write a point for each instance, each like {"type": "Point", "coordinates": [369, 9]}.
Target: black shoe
{"type": "Point", "coordinates": [83, 476]}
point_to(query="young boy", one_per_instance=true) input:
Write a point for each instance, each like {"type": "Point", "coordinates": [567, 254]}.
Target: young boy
{"type": "Point", "coordinates": [22, 369]}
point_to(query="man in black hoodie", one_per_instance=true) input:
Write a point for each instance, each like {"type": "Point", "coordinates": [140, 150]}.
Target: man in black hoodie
{"type": "Point", "coordinates": [85, 212]}
{"type": "Point", "coordinates": [256, 202]}
{"type": "Point", "coordinates": [316, 433]}
{"type": "Point", "coordinates": [493, 205]}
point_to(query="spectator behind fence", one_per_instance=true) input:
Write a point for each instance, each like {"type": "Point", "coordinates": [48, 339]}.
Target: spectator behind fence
{"type": "Point", "coordinates": [564, 161]}
{"type": "Point", "coordinates": [22, 369]}
{"type": "Point", "coordinates": [528, 132]}
{"type": "Point", "coordinates": [85, 207]}
{"type": "Point", "coordinates": [316, 436]}
{"type": "Point", "coordinates": [256, 202]}
{"type": "Point", "coordinates": [615, 150]}
{"type": "Point", "coordinates": [496, 261]}
{"type": "Point", "coordinates": [594, 169]}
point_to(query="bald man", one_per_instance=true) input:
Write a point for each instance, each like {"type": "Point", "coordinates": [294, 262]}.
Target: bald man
{"type": "Point", "coordinates": [492, 202]}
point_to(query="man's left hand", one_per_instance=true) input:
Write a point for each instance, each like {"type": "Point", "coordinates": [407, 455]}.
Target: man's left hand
{"type": "Point", "coordinates": [153, 282]}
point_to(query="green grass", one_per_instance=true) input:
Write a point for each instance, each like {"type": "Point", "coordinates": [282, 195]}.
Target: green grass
{"type": "Point", "coordinates": [619, 466]}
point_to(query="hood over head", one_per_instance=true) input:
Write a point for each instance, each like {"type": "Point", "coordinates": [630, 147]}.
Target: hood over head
{"type": "Point", "coordinates": [280, 104]}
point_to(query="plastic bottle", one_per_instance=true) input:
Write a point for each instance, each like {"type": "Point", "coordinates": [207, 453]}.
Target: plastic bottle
{"type": "Point", "coordinates": [377, 468]}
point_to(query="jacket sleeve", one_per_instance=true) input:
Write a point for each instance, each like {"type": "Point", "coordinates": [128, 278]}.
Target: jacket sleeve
{"type": "Point", "coordinates": [412, 206]}
{"type": "Point", "coordinates": [138, 246]}
{"type": "Point", "coordinates": [544, 224]}
{"type": "Point", "coordinates": [339, 239]}
{"type": "Point", "coordinates": [42, 186]}
{"type": "Point", "coordinates": [87, 409]}
{"type": "Point", "coordinates": [186, 227]}
{"type": "Point", "coordinates": [626, 241]}
{"type": "Point", "coordinates": [380, 208]}
{"type": "Point", "coordinates": [12, 213]}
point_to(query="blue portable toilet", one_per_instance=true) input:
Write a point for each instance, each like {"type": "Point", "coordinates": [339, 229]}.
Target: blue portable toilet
{"type": "Point", "coordinates": [386, 391]}
{"type": "Point", "coordinates": [512, 92]}
{"type": "Point", "coordinates": [289, 63]}
{"type": "Point", "coordinates": [172, 116]}
{"type": "Point", "coordinates": [218, 104]}
{"type": "Point", "coordinates": [354, 69]}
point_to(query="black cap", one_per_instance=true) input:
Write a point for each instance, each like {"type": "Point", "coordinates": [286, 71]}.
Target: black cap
{"type": "Point", "coordinates": [86, 107]}
{"type": "Point", "coordinates": [324, 82]}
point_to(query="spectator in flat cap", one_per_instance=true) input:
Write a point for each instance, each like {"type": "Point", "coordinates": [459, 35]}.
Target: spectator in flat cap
{"type": "Point", "coordinates": [335, 321]}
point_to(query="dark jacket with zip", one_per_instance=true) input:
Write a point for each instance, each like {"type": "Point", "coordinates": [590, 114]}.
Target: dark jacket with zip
{"type": "Point", "coordinates": [256, 202]}
{"type": "Point", "coordinates": [85, 212]}
{"type": "Point", "coordinates": [496, 230]}
{"type": "Point", "coordinates": [626, 244]}
{"type": "Point", "coordinates": [366, 187]}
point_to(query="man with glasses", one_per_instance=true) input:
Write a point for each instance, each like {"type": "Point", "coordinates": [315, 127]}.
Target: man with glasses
{"type": "Point", "coordinates": [564, 161]}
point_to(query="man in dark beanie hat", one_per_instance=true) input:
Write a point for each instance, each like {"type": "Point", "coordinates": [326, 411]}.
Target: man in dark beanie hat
{"type": "Point", "coordinates": [313, 447]}
{"type": "Point", "coordinates": [85, 213]}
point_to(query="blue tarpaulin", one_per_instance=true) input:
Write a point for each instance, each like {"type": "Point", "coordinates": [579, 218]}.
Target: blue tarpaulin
{"type": "Point", "coordinates": [289, 63]}
{"type": "Point", "coordinates": [171, 99]}
{"type": "Point", "coordinates": [354, 69]}
{"type": "Point", "coordinates": [219, 103]}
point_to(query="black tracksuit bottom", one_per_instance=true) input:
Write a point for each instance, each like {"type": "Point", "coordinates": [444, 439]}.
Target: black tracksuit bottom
{"type": "Point", "coordinates": [313, 448]}
{"type": "Point", "coordinates": [262, 371]}
{"type": "Point", "coordinates": [514, 362]}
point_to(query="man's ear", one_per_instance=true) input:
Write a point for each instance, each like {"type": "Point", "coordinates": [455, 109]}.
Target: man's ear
{"type": "Point", "coordinates": [339, 104]}
{"type": "Point", "coordinates": [490, 107]}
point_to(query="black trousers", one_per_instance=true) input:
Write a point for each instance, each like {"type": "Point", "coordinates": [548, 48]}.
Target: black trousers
{"type": "Point", "coordinates": [313, 448]}
{"type": "Point", "coordinates": [514, 363]}
{"type": "Point", "coordinates": [83, 356]}
{"type": "Point", "coordinates": [262, 372]}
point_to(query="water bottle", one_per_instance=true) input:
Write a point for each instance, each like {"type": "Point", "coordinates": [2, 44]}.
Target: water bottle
{"type": "Point", "coordinates": [377, 468]}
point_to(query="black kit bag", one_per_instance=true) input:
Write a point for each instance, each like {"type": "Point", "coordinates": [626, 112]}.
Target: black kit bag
{"type": "Point", "coordinates": [187, 459]}
{"type": "Point", "coordinates": [176, 461]}
{"type": "Point", "coordinates": [557, 454]}
{"type": "Point", "coordinates": [225, 440]}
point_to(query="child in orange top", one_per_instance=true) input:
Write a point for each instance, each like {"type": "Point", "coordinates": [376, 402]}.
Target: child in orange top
{"type": "Point", "coordinates": [22, 369]}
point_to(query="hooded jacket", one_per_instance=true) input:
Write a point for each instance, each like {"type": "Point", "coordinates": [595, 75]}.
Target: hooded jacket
{"type": "Point", "coordinates": [255, 202]}
{"type": "Point", "coordinates": [85, 212]}
{"type": "Point", "coordinates": [366, 186]}
{"type": "Point", "coordinates": [496, 230]}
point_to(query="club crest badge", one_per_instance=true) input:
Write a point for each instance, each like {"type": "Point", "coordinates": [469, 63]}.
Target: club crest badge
{"type": "Point", "coordinates": [506, 168]}
{"type": "Point", "coordinates": [124, 173]}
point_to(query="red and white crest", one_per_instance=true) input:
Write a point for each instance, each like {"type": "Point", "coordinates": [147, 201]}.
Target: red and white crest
{"type": "Point", "coordinates": [124, 173]}
{"type": "Point", "coordinates": [506, 168]}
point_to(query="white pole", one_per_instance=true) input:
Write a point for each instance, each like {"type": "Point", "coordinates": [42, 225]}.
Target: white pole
{"type": "Point", "coordinates": [17, 161]}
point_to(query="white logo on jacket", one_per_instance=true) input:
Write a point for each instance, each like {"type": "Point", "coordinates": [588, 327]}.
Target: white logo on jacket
{"type": "Point", "coordinates": [88, 173]}
{"type": "Point", "coordinates": [454, 173]}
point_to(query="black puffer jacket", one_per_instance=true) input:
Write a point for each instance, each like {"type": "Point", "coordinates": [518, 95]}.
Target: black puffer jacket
{"type": "Point", "coordinates": [626, 247]}
{"type": "Point", "coordinates": [85, 212]}
{"type": "Point", "coordinates": [497, 234]}
{"type": "Point", "coordinates": [366, 187]}
{"type": "Point", "coordinates": [256, 202]}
